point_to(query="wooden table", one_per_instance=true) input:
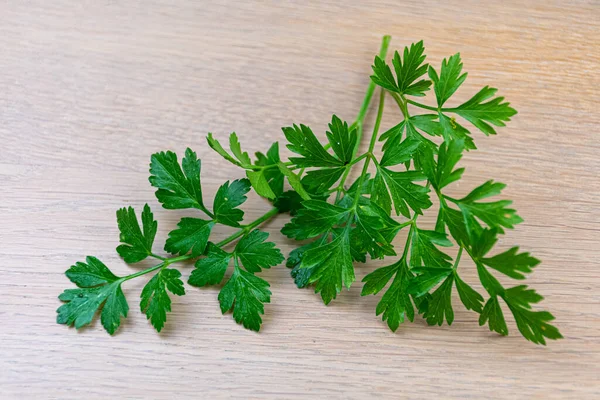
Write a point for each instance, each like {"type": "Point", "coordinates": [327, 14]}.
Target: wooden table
{"type": "Point", "coordinates": [88, 90]}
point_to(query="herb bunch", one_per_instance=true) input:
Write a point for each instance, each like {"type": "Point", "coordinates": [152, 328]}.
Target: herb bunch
{"type": "Point", "coordinates": [341, 223]}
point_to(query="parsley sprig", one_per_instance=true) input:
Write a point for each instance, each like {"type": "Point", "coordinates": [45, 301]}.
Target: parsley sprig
{"type": "Point", "coordinates": [340, 222]}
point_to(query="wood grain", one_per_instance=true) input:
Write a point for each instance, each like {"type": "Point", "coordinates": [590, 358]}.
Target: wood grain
{"type": "Point", "coordinates": [89, 89]}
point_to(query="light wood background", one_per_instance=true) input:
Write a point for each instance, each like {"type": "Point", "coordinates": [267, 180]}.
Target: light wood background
{"type": "Point", "coordinates": [89, 89]}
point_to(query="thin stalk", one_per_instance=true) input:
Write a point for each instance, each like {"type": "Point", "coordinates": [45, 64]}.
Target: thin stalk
{"type": "Point", "coordinates": [168, 261]}
{"type": "Point", "coordinates": [460, 250]}
{"type": "Point", "coordinates": [385, 42]}
{"type": "Point", "coordinates": [371, 147]}
{"type": "Point", "coordinates": [426, 107]}
{"type": "Point", "coordinates": [247, 228]}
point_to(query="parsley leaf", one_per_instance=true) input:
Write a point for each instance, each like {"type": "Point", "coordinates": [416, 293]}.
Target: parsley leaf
{"type": "Point", "coordinates": [294, 181]}
{"type": "Point", "coordinates": [493, 313]}
{"type": "Point", "coordinates": [304, 142]}
{"type": "Point", "coordinates": [341, 139]}
{"type": "Point", "coordinates": [395, 304]}
{"type": "Point", "coordinates": [267, 182]}
{"type": "Point", "coordinates": [314, 218]}
{"type": "Point", "coordinates": [449, 80]}
{"type": "Point", "coordinates": [408, 69]}
{"type": "Point", "coordinates": [512, 264]}
{"type": "Point", "coordinates": [482, 114]}
{"type": "Point", "coordinates": [246, 294]}
{"type": "Point", "coordinates": [320, 180]}
{"type": "Point", "coordinates": [99, 289]}
{"type": "Point", "coordinates": [211, 269]}
{"type": "Point", "coordinates": [399, 152]}
{"type": "Point", "coordinates": [332, 266]}
{"type": "Point", "coordinates": [404, 193]}
{"type": "Point", "coordinates": [425, 253]}
{"type": "Point", "coordinates": [216, 146]}
{"type": "Point", "coordinates": [137, 245]}
{"type": "Point", "coordinates": [443, 172]}
{"type": "Point", "coordinates": [155, 300]}
{"type": "Point", "coordinates": [439, 305]}
{"type": "Point", "coordinates": [177, 188]}
{"type": "Point", "coordinates": [533, 325]}
{"type": "Point", "coordinates": [191, 234]}
{"type": "Point", "coordinates": [255, 253]}
{"type": "Point", "coordinates": [228, 198]}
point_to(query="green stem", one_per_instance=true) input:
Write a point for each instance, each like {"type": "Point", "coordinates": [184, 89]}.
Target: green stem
{"type": "Point", "coordinates": [168, 261]}
{"type": "Point", "coordinates": [460, 250]}
{"type": "Point", "coordinates": [371, 147]}
{"type": "Point", "coordinates": [385, 42]}
{"type": "Point", "coordinates": [247, 228]}
{"type": "Point", "coordinates": [426, 107]}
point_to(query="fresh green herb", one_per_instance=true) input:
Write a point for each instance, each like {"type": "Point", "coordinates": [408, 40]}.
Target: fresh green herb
{"type": "Point", "coordinates": [342, 222]}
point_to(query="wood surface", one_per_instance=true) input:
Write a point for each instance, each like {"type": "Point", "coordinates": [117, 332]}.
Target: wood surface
{"type": "Point", "coordinates": [89, 89]}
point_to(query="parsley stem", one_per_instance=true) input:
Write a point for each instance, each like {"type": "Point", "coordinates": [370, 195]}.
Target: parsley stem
{"type": "Point", "coordinates": [371, 147]}
{"type": "Point", "coordinates": [460, 250]}
{"type": "Point", "coordinates": [414, 103]}
{"type": "Point", "coordinates": [166, 262]}
{"type": "Point", "coordinates": [157, 256]}
{"type": "Point", "coordinates": [385, 42]}
{"type": "Point", "coordinates": [247, 228]}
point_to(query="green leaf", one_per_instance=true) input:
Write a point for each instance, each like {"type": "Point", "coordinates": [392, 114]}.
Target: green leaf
{"type": "Point", "coordinates": [320, 180]}
{"type": "Point", "coordinates": [449, 80]}
{"type": "Point", "coordinates": [408, 69]}
{"type": "Point", "coordinates": [442, 172]}
{"type": "Point", "coordinates": [471, 299]}
{"type": "Point", "coordinates": [482, 114]}
{"type": "Point", "coordinates": [405, 193]}
{"type": "Point", "coordinates": [427, 279]}
{"type": "Point", "coordinates": [304, 142]}
{"type": "Point", "coordinates": [82, 304]}
{"type": "Point", "coordinates": [236, 149]}
{"type": "Point", "coordinates": [495, 214]}
{"type": "Point", "coordinates": [260, 183]}
{"type": "Point", "coordinates": [533, 325]}
{"type": "Point", "coordinates": [452, 130]}
{"type": "Point", "coordinates": [439, 305]}
{"type": "Point", "coordinates": [216, 146]}
{"type": "Point", "coordinates": [228, 198]}
{"type": "Point", "coordinates": [487, 189]}
{"type": "Point", "coordinates": [455, 221]}
{"type": "Point", "coordinates": [100, 290]}
{"type": "Point", "coordinates": [341, 139]}
{"type": "Point", "coordinates": [423, 250]}
{"type": "Point", "coordinates": [493, 313]}
{"type": "Point", "coordinates": [255, 253]}
{"type": "Point", "coordinates": [314, 218]}
{"type": "Point", "coordinates": [246, 294]}
{"type": "Point", "coordinates": [368, 238]}
{"type": "Point", "coordinates": [395, 304]}
{"type": "Point", "coordinates": [177, 188]}
{"type": "Point", "coordinates": [267, 182]}
{"type": "Point", "coordinates": [302, 275]}
{"type": "Point", "coordinates": [332, 264]}
{"type": "Point", "coordinates": [211, 269]}
{"type": "Point", "coordinates": [512, 264]}
{"type": "Point", "coordinates": [380, 194]}
{"type": "Point", "coordinates": [411, 67]}
{"type": "Point", "coordinates": [294, 181]}
{"type": "Point", "coordinates": [191, 234]}
{"type": "Point", "coordinates": [289, 201]}
{"type": "Point", "coordinates": [399, 152]}
{"type": "Point", "coordinates": [136, 245]}
{"type": "Point", "coordinates": [91, 273]}
{"type": "Point", "coordinates": [155, 301]}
